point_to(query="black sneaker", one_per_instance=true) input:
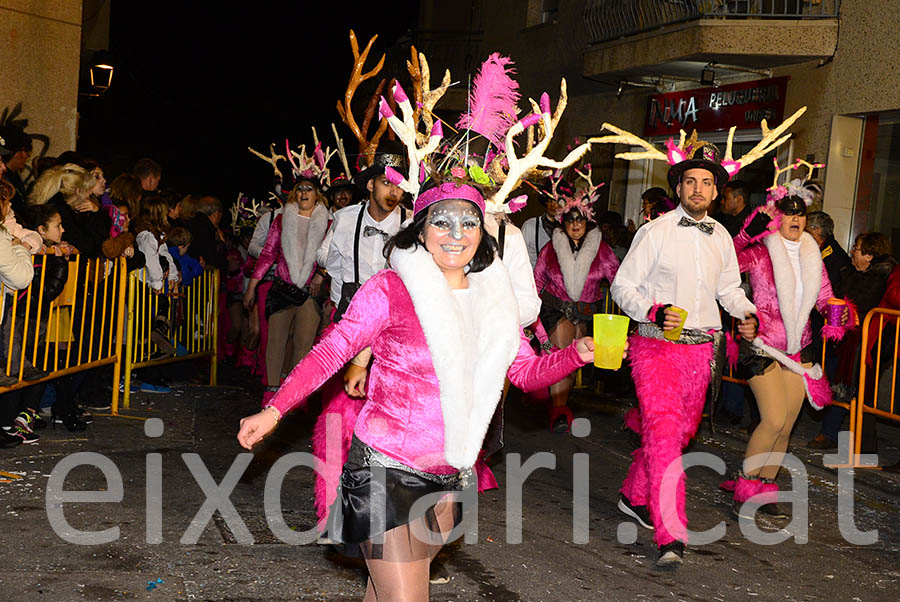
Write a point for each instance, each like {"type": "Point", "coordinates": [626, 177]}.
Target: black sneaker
{"type": "Point", "coordinates": [639, 513]}
{"type": "Point", "coordinates": [671, 555]}
{"type": "Point", "coordinates": [8, 440]}
{"type": "Point", "coordinates": [26, 436]}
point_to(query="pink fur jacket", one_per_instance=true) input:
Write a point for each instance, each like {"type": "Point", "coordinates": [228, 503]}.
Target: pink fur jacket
{"type": "Point", "coordinates": [431, 393]}
{"type": "Point", "coordinates": [766, 261]}
{"type": "Point", "coordinates": [294, 258]}
{"type": "Point", "coordinates": [571, 277]}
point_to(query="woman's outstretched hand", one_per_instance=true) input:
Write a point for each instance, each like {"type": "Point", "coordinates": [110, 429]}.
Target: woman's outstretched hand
{"type": "Point", "coordinates": [585, 348]}
{"type": "Point", "coordinates": [254, 428]}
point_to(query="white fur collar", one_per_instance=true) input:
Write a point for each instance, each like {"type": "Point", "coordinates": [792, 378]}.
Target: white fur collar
{"type": "Point", "coordinates": [467, 407]}
{"type": "Point", "coordinates": [811, 273]}
{"type": "Point", "coordinates": [575, 269]}
{"type": "Point", "coordinates": [300, 261]}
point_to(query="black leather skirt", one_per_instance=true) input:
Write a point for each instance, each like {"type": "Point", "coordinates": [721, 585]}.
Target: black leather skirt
{"type": "Point", "coordinates": [378, 494]}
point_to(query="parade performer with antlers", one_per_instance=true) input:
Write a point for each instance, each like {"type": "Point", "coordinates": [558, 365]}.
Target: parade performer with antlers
{"type": "Point", "coordinates": [568, 276]}
{"type": "Point", "coordinates": [443, 336]}
{"type": "Point", "coordinates": [682, 261]}
{"type": "Point", "coordinates": [291, 243]}
{"type": "Point", "coordinates": [788, 280]}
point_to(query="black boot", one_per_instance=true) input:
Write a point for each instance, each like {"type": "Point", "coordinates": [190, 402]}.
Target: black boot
{"type": "Point", "coordinates": [71, 422]}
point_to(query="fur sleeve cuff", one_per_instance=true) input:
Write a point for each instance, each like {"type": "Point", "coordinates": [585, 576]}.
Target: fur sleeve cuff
{"type": "Point", "coordinates": [754, 230]}
{"type": "Point", "coordinates": [836, 332]}
{"type": "Point", "coordinates": [657, 313]}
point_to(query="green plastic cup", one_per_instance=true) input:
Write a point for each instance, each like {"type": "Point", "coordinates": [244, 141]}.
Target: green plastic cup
{"type": "Point", "coordinates": [610, 333]}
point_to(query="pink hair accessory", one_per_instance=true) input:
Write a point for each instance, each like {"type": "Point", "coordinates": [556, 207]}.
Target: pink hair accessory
{"type": "Point", "coordinates": [448, 191]}
{"type": "Point", "coordinates": [458, 172]}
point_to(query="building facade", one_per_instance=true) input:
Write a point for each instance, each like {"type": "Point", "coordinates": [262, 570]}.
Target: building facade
{"type": "Point", "coordinates": [655, 66]}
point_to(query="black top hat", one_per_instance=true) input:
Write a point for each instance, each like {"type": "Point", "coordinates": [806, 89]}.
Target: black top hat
{"type": "Point", "coordinates": [390, 153]}
{"type": "Point", "coordinates": [708, 160]}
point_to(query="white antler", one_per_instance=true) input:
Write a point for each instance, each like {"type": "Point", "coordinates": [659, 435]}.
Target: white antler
{"type": "Point", "coordinates": [534, 158]}
{"type": "Point", "coordinates": [406, 131]}
{"type": "Point", "coordinates": [770, 141]}
{"type": "Point", "coordinates": [624, 137]}
{"type": "Point", "coordinates": [272, 159]}
{"type": "Point", "coordinates": [342, 154]}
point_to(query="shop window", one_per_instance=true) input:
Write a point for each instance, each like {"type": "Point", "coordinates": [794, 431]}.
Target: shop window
{"type": "Point", "coordinates": [878, 191]}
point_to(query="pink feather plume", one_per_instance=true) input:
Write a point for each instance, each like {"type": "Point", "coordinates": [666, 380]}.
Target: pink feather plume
{"type": "Point", "coordinates": [492, 100]}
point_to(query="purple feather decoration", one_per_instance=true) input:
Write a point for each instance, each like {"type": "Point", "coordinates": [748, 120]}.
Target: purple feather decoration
{"type": "Point", "coordinates": [492, 100]}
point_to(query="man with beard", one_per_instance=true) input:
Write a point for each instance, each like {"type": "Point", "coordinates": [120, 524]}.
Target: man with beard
{"type": "Point", "coordinates": [683, 259]}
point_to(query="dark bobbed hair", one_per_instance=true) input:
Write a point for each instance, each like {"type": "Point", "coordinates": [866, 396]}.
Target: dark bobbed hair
{"type": "Point", "coordinates": [40, 215]}
{"type": "Point", "coordinates": [411, 237]}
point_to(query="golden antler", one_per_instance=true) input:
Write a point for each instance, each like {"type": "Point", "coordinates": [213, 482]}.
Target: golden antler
{"type": "Point", "coordinates": [357, 76]}
{"type": "Point", "coordinates": [272, 159]}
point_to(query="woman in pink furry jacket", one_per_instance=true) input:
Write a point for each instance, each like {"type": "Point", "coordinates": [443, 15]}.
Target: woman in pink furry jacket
{"type": "Point", "coordinates": [568, 276]}
{"type": "Point", "coordinates": [444, 335]}
{"type": "Point", "coordinates": [788, 279]}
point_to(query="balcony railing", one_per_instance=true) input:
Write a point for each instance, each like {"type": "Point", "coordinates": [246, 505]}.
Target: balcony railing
{"type": "Point", "coordinates": [612, 19]}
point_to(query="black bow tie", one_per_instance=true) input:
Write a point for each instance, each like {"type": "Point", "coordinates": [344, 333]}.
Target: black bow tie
{"type": "Point", "coordinates": [373, 231]}
{"type": "Point", "coordinates": [704, 227]}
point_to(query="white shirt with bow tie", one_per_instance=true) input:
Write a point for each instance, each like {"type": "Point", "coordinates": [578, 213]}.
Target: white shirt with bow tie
{"type": "Point", "coordinates": [336, 251]}
{"type": "Point", "coordinates": [684, 266]}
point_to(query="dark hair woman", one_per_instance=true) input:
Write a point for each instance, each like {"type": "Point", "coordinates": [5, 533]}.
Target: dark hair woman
{"type": "Point", "coordinates": [444, 335]}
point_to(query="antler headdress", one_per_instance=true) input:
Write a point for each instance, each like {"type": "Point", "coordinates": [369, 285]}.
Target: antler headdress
{"type": "Point", "coordinates": [681, 156]}
{"type": "Point", "coordinates": [797, 187]}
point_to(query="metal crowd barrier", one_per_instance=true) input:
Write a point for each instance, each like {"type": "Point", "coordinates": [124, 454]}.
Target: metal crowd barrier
{"type": "Point", "coordinates": [878, 383]}
{"type": "Point", "coordinates": [77, 331]}
{"type": "Point", "coordinates": [193, 324]}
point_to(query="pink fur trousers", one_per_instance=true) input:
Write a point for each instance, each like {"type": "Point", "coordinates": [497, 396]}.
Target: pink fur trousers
{"type": "Point", "coordinates": [671, 382]}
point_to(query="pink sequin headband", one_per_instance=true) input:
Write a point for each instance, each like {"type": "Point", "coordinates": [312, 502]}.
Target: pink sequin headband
{"type": "Point", "coordinates": [448, 191]}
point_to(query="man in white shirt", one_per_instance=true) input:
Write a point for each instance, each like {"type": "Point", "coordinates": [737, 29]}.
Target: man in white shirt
{"type": "Point", "coordinates": [352, 251]}
{"type": "Point", "coordinates": [538, 230]}
{"type": "Point", "coordinates": [683, 259]}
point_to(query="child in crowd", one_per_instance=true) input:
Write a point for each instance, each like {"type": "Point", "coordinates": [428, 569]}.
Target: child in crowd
{"type": "Point", "coordinates": [152, 227]}
{"type": "Point", "coordinates": [179, 239]}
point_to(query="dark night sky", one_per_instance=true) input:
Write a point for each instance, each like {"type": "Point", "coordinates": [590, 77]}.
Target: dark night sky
{"type": "Point", "coordinates": [196, 84]}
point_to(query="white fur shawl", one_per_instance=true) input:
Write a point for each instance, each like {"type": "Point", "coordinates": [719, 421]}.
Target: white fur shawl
{"type": "Point", "coordinates": [300, 261]}
{"type": "Point", "coordinates": [467, 407]}
{"type": "Point", "coordinates": [575, 269]}
{"type": "Point", "coordinates": [785, 284]}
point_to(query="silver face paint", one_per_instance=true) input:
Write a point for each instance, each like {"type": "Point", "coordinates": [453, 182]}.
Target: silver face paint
{"type": "Point", "coordinates": [455, 217]}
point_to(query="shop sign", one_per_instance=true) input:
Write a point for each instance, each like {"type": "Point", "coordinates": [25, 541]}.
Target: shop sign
{"type": "Point", "coordinates": [743, 105]}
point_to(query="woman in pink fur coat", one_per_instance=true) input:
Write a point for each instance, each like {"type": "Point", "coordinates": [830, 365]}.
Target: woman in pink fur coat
{"type": "Point", "coordinates": [443, 337]}
{"type": "Point", "coordinates": [568, 275]}
{"type": "Point", "coordinates": [788, 278]}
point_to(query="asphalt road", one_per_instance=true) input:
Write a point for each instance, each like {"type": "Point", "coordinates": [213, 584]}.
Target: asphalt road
{"type": "Point", "coordinates": [39, 564]}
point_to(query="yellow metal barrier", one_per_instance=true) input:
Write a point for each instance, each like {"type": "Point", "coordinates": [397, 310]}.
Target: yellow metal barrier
{"type": "Point", "coordinates": [867, 401]}
{"type": "Point", "coordinates": [79, 328]}
{"type": "Point", "coordinates": [194, 333]}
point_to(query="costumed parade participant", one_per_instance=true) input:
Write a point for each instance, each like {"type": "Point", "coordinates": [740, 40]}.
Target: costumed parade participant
{"type": "Point", "coordinates": [683, 261]}
{"type": "Point", "coordinates": [442, 337]}
{"type": "Point", "coordinates": [538, 230]}
{"type": "Point", "coordinates": [351, 253]}
{"type": "Point", "coordinates": [568, 275]}
{"type": "Point", "coordinates": [261, 231]}
{"type": "Point", "coordinates": [291, 244]}
{"type": "Point", "coordinates": [788, 279]}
